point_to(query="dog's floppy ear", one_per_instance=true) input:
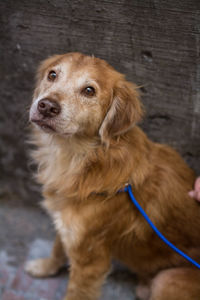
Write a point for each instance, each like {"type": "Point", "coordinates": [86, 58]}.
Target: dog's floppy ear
{"type": "Point", "coordinates": [125, 110]}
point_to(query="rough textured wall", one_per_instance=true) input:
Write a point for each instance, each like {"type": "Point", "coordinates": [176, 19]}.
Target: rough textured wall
{"type": "Point", "coordinates": [156, 43]}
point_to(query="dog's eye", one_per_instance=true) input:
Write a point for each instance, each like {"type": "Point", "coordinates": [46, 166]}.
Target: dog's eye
{"type": "Point", "coordinates": [89, 91]}
{"type": "Point", "coordinates": [52, 75]}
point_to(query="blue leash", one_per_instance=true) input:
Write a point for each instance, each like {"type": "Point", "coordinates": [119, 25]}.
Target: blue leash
{"type": "Point", "coordinates": [129, 190]}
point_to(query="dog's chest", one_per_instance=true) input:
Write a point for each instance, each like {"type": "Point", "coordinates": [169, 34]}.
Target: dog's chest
{"type": "Point", "coordinates": [70, 227]}
{"type": "Point", "coordinates": [59, 164]}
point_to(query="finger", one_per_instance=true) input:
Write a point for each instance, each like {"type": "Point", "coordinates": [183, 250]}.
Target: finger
{"type": "Point", "coordinates": [197, 184]}
{"type": "Point", "coordinates": [192, 194]}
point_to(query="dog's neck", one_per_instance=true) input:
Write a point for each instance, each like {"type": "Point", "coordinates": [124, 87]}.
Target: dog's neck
{"type": "Point", "coordinates": [77, 145]}
{"type": "Point", "coordinates": [80, 167]}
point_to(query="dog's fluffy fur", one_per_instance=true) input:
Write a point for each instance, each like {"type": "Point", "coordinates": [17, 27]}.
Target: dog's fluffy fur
{"type": "Point", "coordinates": [92, 149]}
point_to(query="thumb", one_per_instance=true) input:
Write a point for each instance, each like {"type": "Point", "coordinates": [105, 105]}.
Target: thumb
{"type": "Point", "coordinates": [192, 194]}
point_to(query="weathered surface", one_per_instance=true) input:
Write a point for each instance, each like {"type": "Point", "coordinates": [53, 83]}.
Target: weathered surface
{"type": "Point", "coordinates": [156, 43]}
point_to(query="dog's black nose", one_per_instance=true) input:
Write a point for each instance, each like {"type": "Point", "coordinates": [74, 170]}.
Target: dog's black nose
{"type": "Point", "coordinates": [48, 108]}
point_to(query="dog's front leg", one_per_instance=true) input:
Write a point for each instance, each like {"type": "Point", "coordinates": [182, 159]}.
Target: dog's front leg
{"type": "Point", "coordinates": [49, 266]}
{"type": "Point", "coordinates": [89, 268]}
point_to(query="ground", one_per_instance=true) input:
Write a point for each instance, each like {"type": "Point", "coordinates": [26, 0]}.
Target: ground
{"type": "Point", "coordinates": [26, 232]}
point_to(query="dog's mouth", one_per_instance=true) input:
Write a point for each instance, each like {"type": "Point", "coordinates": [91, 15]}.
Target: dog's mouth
{"type": "Point", "coordinates": [44, 125]}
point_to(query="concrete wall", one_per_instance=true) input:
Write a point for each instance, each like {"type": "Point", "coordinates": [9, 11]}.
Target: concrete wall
{"type": "Point", "coordinates": [156, 43]}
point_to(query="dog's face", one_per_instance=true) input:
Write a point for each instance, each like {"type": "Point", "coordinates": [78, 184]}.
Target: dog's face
{"type": "Point", "coordinates": [82, 95]}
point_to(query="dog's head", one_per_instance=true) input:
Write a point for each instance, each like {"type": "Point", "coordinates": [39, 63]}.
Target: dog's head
{"type": "Point", "coordinates": [82, 95]}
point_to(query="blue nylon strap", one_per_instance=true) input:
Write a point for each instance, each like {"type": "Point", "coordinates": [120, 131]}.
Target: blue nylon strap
{"type": "Point", "coordinates": [129, 190]}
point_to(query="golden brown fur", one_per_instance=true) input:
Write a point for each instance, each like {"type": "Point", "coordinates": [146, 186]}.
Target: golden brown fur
{"type": "Point", "coordinates": [93, 153]}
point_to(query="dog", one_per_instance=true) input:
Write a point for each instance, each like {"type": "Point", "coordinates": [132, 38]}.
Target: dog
{"type": "Point", "coordinates": [89, 146]}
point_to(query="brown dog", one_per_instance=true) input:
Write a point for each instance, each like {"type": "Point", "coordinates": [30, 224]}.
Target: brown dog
{"type": "Point", "coordinates": [89, 146]}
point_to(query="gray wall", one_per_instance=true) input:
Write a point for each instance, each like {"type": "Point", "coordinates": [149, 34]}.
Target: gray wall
{"type": "Point", "coordinates": [155, 43]}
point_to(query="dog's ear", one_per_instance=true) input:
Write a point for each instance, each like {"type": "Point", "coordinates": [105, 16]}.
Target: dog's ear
{"type": "Point", "coordinates": [124, 112]}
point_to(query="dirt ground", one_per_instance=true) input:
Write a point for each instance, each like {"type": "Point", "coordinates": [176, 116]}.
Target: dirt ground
{"type": "Point", "coordinates": [26, 232]}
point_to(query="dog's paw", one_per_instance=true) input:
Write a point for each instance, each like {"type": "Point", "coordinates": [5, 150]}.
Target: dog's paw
{"type": "Point", "coordinates": [43, 267]}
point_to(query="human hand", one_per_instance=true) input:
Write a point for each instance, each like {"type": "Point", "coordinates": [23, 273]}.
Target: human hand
{"type": "Point", "coordinates": [196, 192]}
